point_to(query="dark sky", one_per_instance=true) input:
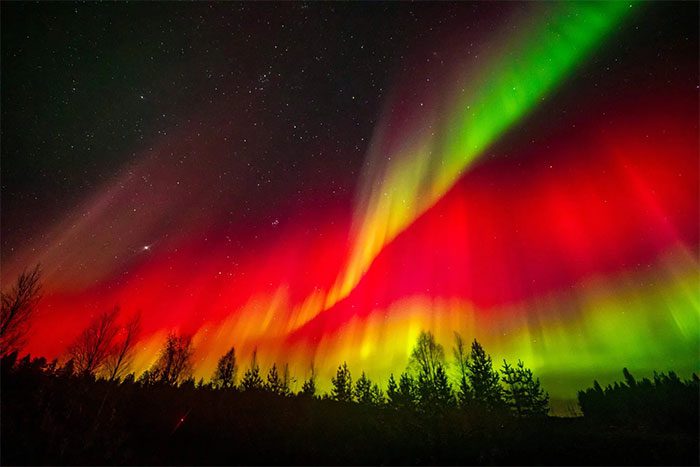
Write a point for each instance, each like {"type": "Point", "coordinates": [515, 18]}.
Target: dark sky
{"type": "Point", "coordinates": [290, 91]}
{"type": "Point", "coordinates": [293, 88]}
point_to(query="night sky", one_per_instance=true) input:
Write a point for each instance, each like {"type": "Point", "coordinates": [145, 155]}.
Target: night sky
{"type": "Point", "coordinates": [320, 182]}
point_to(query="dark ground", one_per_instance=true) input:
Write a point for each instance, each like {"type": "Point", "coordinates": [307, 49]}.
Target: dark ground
{"type": "Point", "coordinates": [69, 420]}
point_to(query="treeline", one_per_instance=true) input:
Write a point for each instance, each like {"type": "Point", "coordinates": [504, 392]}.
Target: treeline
{"type": "Point", "coordinates": [423, 386]}
{"type": "Point", "coordinates": [105, 349]}
{"type": "Point", "coordinates": [51, 415]}
{"type": "Point", "coordinates": [91, 408]}
{"type": "Point", "coordinates": [665, 402]}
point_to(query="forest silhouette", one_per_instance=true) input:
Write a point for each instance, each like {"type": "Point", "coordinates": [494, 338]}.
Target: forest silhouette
{"type": "Point", "coordinates": [91, 408]}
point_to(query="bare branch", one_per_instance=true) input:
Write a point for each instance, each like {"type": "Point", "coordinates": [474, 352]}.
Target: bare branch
{"type": "Point", "coordinates": [93, 346]}
{"type": "Point", "coordinates": [18, 306]}
{"type": "Point", "coordinates": [121, 355]}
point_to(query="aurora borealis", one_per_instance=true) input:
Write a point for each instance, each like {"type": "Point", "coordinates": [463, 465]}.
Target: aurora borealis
{"type": "Point", "coordinates": [322, 182]}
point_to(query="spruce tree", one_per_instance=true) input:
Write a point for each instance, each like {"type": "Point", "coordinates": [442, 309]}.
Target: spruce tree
{"type": "Point", "coordinates": [376, 395]}
{"type": "Point", "coordinates": [408, 393]}
{"type": "Point", "coordinates": [514, 392]}
{"type": "Point", "coordinates": [342, 384]}
{"type": "Point", "coordinates": [443, 389]}
{"type": "Point", "coordinates": [523, 393]}
{"type": "Point", "coordinates": [274, 382]}
{"type": "Point", "coordinates": [363, 390]}
{"type": "Point", "coordinates": [308, 388]}
{"type": "Point", "coordinates": [287, 381]}
{"type": "Point", "coordinates": [537, 398]}
{"type": "Point", "coordinates": [392, 390]}
{"type": "Point", "coordinates": [251, 378]}
{"type": "Point", "coordinates": [435, 394]}
{"type": "Point", "coordinates": [483, 379]}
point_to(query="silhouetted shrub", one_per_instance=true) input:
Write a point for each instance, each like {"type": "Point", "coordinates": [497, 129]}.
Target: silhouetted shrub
{"type": "Point", "coordinates": [666, 402]}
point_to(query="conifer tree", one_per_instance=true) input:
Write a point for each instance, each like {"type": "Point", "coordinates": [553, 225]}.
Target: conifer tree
{"type": "Point", "coordinates": [287, 381]}
{"type": "Point", "coordinates": [377, 395]}
{"type": "Point", "coordinates": [251, 378]}
{"type": "Point", "coordinates": [537, 398]}
{"type": "Point", "coordinates": [443, 389]}
{"type": "Point", "coordinates": [436, 393]}
{"type": "Point", "coordinates": [308, 387]}
{"type": "Point", "coordinates": [392, 390]}
{"type": "Point", "coordinates": [407, 393]}
{"type": "Point", "coordinates": [363, 390]}
{"type": "Point", "coordinates": [342, 384]}
{"type": "Point", "coordinates": [483, 379]}
{"type": "Point", "coordinates": [514, 392]}
{"type": "Point", "coordinates": [523, 393]}
{"type": "Point", "coordinates": [274, 382]}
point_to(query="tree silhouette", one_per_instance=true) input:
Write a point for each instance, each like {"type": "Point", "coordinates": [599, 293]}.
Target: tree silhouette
{"type": "Point", "coordinates": [43, 402]}
{"type": "Point", "coordinates": [404, 394]}
{"type": "Point", "coordinates": [147, 378]}
{"type": "Point", "coordinates": [67, 370]}
{"type": "Point", "coordinates": [17, 307]}
{"type": "Point", "coordinates": [427, 356]}
{"type": "Point", "coordinates": [666, 401]}
{"type": "Point", "coordinates": [342, 384]}
{"type": "Point", "coordinates": [443, 389]}
{"type": "Point", "coordinates": [408, 393]}
{"type": "Point", "coordinates": [287, 381]}
{"type": "Point", "coordinates": [523, 393]}
{"type": "Point", "coordinates": [174, 364]}
{"type": "Point", "coordinates": [377, 395]}
{"type": "Point", "coordinates": [226, 369]}
{"type": "Point", "coordinates": [484, 381]}
{"type": "Point", "coordinates": [392, 390]}
{"type": "Point", "coordinates": [7, 361]}
{"type": "Point", "coordinates": [120, 357]}
{"type": "Point", "coordinates": [308, 387]}
{"type": "Point", "coordinates": [93, 346]}
{"type": "Point", "coordinates": [129, 379]}
{"type": "Point", "coordinates": [363, 389]}
{"type": "Point", "coordinates": [436, 393]}
{"type": "Point", "coordinates": [251, 378]}
{"type": "Point", "coordinates": [275, 384]}
{"type": "Point", "coordinates": [367, 392]}
{"type": "Point", "coordinates": [464, 393]}
{"type": "Point", "coordinates": [188, 383]}
{"type": "Point", "coordinates": [427, 361]}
